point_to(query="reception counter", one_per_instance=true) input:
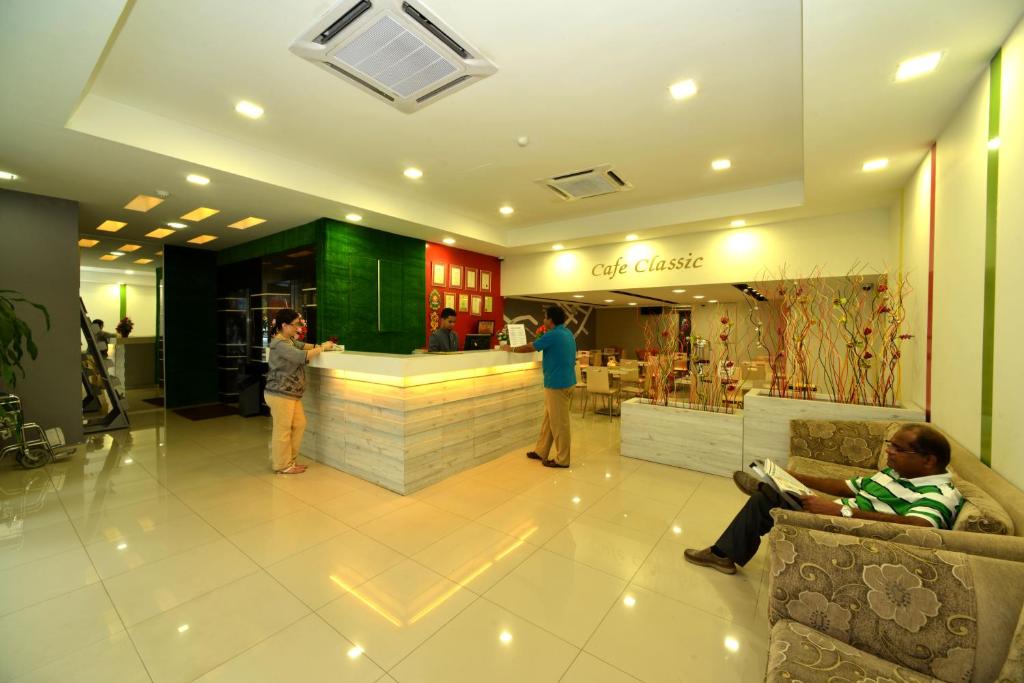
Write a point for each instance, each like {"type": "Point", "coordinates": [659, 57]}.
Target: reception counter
{"type": "Point", "coordinates": [405, 422]}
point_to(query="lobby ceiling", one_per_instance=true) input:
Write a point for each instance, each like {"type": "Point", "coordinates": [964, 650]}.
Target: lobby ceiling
{"type": "Point", "coordinates": [129, 98]}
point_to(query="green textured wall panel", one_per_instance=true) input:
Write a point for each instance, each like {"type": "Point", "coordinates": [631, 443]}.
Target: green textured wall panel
{"type": "Point", "coordinates": [190, 318]}
{"type": "Point", "coordinates": [302, 236]}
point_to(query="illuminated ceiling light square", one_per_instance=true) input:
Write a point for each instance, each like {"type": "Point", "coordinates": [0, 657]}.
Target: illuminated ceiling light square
{"type": "Point", "coordinates": [143, 203]}
{"type": "Point", "coordinates": [199, 214]}
{"type": "Point", "coordinates": [129, 247]}
{"type": "Point", "coordinates": [721, 164]}
{"type": "Point", "coordinates": [109, 257]}
{"type": "Point", "coordinates": [683, 89]}
{"type": "Point", "coordinates": [87, 242]}
{"type": "Point", "coordinates": [110, 226]}
{"type": "Point", "coordinates": [918, 66]}
{"type": "Point", "coordinates": [143, 261]}
{"type": "Point", "coordinates": [7, 175]}
{"type": "Point", "coordinates": [202, 239]}
{"type": "Point", "coordinates": [875, 165]}
{"type": "Point", "coordinates": [160, 233]}
{"type": "Point", "coordinates": [247, 223]}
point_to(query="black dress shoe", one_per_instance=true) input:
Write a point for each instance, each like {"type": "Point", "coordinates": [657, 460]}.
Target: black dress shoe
{"type": "Point", "coordinates": [533, 456]}
{"type": "Point", "coordinates": [551, 463]}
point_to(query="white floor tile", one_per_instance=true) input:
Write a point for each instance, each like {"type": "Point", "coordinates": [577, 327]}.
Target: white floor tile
{"type": "Point", "coordinates": [282, 537]}
{"type": "Point", "coordinates": [40, 580]}
{"type": "Point", "coordinates": [124, 553]}
{"type": "Point", "coordinates": [113, 659]}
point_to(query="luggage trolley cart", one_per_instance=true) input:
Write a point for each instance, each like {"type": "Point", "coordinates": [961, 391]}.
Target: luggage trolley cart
{"type": "Point", "coordinates": [32, 447]}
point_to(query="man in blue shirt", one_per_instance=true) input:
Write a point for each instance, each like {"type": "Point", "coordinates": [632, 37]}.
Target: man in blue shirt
{"type": "Point", "coordinates": [559, 365]}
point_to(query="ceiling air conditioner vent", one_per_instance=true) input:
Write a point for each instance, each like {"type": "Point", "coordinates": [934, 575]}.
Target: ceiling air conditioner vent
{"type": "Point", "coordinates": [397, 51]}
{"type": "Point", "coordinates": [592, 182]}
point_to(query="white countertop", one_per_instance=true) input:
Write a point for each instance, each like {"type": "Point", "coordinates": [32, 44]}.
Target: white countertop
{"type": "Point", "coordinates": [404, 370]}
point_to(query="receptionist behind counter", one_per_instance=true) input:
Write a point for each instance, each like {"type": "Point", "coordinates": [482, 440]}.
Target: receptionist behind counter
{"type": "Point", "coordinates": [444, 337]}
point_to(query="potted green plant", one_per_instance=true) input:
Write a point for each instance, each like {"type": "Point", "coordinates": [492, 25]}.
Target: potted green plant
{"type": "Point", "coordinates": [15, 341]}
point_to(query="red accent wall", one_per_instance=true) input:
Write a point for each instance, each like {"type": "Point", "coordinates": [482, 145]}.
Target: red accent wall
{"type": "Point", "coordinates": [465, 321]}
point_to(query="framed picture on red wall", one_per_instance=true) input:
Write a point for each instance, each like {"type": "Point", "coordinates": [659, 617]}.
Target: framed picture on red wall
{"type": "Point", "coordinates": [488, 304]}
{"type": "Point", "coordinates": [485, 280]}
{"type": "Point", "coordinates": [455, 277]}
{"type": "Point", "coordinates": [463, 303]}
{"type": "Point", "coordinates": [470, 278]}
{"type": "Point", "coordinates": [438, 273]}
{"type": "Point", "coordinates": [477, 305]}
{"type": "Point", "coordinates": [449, 300]}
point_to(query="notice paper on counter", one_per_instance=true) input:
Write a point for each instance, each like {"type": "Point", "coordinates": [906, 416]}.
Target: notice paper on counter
{"type": "Point", "coordinates": [516, 334]}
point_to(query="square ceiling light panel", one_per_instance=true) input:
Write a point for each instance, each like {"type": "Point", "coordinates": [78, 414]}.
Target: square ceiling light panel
{"type": "Point", "coordinates": [143, 203]}
{"type": "Point", "coordinates": [160, 233]}
{"type": "Point", "coordinates": [202, 239]}
{"type": "Point", "coordinates": [87, 243]}
{"type": "Point", "coordinates": [110, 226]}
{"type": "Point", "coordinates": [129, 247]}
{"type": "Point", "coordinates": [202, 213]}
{"type": "Point", "coordinates": [143, 261]}
{"type": "Point", "coordinates": [109, 257]}
{"type": "Point", "coordinates": [247, 223]}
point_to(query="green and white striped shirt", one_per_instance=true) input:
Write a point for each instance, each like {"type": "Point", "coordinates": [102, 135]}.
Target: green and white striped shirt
{"type": "Point", "coordinates": [932, 498]}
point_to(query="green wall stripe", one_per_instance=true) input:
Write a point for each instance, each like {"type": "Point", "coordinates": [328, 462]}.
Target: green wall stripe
{"type": "Point", "coordinates": [124, 302]}
{"type": "Point", "coordinates": [991, 212]}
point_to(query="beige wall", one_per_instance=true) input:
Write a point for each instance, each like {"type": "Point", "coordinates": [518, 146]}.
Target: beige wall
{"type": "Point", "coordinates": [916, 226]}
{"type": "Point", "coordinates": [1007, 426]}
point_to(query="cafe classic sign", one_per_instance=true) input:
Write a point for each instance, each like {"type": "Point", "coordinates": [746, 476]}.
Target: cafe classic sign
{"type": "Point", "coordinates": [654, 264]}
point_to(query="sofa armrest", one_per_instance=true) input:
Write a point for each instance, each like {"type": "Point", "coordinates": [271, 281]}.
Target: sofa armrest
{"type": "Point", "coordinates": [985, 545]}
{"type": "Point", "coordinates": [917, 607]}
{"type": "Point", "coordinates": [845, 442]}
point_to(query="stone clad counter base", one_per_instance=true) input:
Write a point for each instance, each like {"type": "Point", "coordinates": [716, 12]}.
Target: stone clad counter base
{"type": "Point", "coordinates": [406, 438]}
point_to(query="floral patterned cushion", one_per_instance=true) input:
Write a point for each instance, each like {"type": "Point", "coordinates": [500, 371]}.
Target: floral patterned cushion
{"type": "Point", "coordinates": [818, 468]}
{"type": "Point", "coordinates": [980, 512]}
{"type": "Point", "coordinates": [912, 606]}
{"type": "Point", "coordinates": [799, 653]}
{"type": "Point", "coordinates": [854, 443]}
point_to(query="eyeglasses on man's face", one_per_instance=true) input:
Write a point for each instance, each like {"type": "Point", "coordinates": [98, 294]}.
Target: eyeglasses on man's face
{"type": "Point", "coordinates": [898, 448]}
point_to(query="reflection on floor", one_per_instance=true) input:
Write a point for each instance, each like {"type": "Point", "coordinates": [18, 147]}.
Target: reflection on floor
{"type": "Point", "coordinates": [171, 553]}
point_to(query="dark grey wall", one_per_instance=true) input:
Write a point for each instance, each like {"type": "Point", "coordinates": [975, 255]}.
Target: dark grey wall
{"type": "Point", "coordinates": [190, 319]}
{"type": "Point", "coordinates": [579, 318]}
{"type": "Point", "coordinates": [39, 258]}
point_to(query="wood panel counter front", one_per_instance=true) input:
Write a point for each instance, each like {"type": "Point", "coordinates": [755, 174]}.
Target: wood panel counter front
{"type": "Point", "coordinates": [405, 422]}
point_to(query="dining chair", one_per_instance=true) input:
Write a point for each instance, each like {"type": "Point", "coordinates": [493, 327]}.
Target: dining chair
{"type": "Point", "coordinates": [581, 383]}
{"type": "Point", "coordinates": [629, 380]}
{"type": "Point", "coordinates": [599, 384]}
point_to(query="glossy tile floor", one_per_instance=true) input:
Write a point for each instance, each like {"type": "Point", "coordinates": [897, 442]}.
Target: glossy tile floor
{"type": "Point", "coordinates": [172, 553]}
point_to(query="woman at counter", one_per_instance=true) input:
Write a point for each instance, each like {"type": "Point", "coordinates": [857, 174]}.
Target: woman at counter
{"type": "Point", "coordinates": [286, 382]}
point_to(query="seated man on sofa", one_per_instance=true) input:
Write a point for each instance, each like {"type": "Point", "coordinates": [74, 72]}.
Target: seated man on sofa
{"type": "Point", "coordinates": [914, 489]}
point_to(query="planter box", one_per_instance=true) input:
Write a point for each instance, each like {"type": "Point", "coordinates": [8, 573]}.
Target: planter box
{"type": "Point", "coordinates": [681, 437]}
{"type": "Point", "coordinates": [766, 420]}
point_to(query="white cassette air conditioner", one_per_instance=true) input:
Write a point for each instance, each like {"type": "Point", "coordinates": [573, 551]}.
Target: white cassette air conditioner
{"type": "Point", "coordinates": [396, 50]}
{"type": "Point", "coordinates": [591, 182]}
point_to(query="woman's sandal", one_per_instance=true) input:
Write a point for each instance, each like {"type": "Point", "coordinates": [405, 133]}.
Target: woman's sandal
{"type": "Point", "coordinates": [294, 469]}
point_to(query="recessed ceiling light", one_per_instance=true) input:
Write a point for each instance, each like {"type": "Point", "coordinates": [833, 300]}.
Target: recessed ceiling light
{"type": "Point", "coordinates": [7, 175]}
{"type": "Point", "coordinates": [110, 226]}
{"type": "Point", "coordinates": [506, 210]}
{"type": "Point", "coordinates": [196, 179]}
{"type": "Point", "coordinates": [129, 272]}
{"type": "Point", "coordinates": [247, 223]}
{"type": "Point", "coordinates": [918, 66]}
{"type": "Point", "coordinates": [683, 89]}
{"type": "Point", "coordinates": [250, 109]}
{"type": "Point", "coordinates": [87, 242]}
{"type": "Point", "coordinates": [159, 233]}
{"type": "Point", "coordinates": [631, 303]}
{"type": "Point", "coordinates": [678, 291]}
{"type": "Point", "coordinates": [994, 143]}
{"type": "Point", "coordinates": [117, 253]}
{"type": "Point", "coordinates": [143, 261]}
{"type": "Point", "coordinates": [413, 173]}
{"type": "Point", "coordinates": [712, 301]}
{"type": "Point", "coordinates": [202, 239]}
{"type": "Point", "coordinates": [129, 247]}
{"type": "Point", "coordinates": [632, 238]}
{"type": "Point", "coordinates": [108, 257]}
{"type": "Point", "coordinates": [557, 247]}
{"type": "Point", "coordinates": [177, 226]}
{"type": "Point", "coordinates": [738, 223]}
{"type": "Point", "coordinates": [609, 301]}
{"type": "Point", "coordinates": [199, 214]}
{"type": "Point", "coordinates": [576, 500]}
{"type": "Point", "coordinates": [505, 637]}
{"type": "Point", "coordinates": [353, 217]}
{"type": "Point", "coordinates": [629, 601]}
{"type": "Point", "coordinates": [160, 253]}
{"type": "Point", "coordinates": [354, 652]}
{"type": "Point", "coordinates": [721, 164]}
{"type": "Point", "coordinates": [183, 628]}
{"type": "Point", "coordinates": [577, 296]}
{"type": "Point", "coordinates": [449, 240]}
{"type": "Point", "coordinates": [698, 296]}
{"type": "Point", "coordinates": [875, 165]}
{"type": "Point", "coordinates": [143, 203]}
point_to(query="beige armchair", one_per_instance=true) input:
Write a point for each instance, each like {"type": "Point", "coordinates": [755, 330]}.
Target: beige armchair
{"type": "Point", "coordinates": [846, 608]}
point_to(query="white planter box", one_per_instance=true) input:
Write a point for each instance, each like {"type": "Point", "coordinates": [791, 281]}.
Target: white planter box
{"type": "Point", "coordinates": [681, 437]}
{"type": "Point", "coordinates": [766, 420]}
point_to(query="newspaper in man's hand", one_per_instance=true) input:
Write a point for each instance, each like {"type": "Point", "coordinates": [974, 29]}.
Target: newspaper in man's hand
{"type": "Point", "coordinates": [789, 488]}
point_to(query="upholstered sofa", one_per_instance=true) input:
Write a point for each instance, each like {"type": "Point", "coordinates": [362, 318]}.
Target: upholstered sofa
{"type": "Point", "coordinates": [846, 449]}
{"type": "Point", "coordinates": [850, 608]}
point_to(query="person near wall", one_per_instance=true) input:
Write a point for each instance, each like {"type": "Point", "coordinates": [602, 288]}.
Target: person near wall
{"type": "Point", "coordinates": [444, 337]}
{"type": "Point", "coordinates": [103, 339]}
{"type": "Point", "coordinates": [559, 365]}
{"type": "Point", "coordinates": [914, 489]}
{"type": "Point", "coordinates": [286, 382]}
